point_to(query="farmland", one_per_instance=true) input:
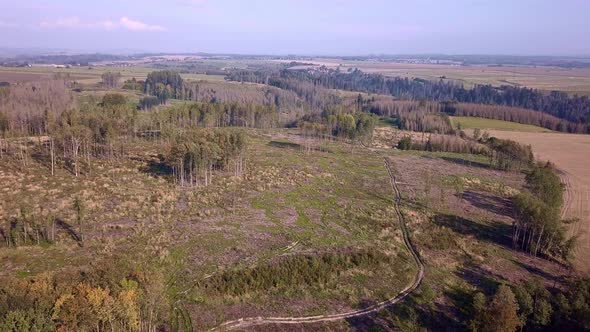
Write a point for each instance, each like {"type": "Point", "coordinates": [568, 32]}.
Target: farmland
{"type": "Point", "coordinates": [543, 78]}
{"type": "Point", "coordinates": [570, 154]}
{"type": "Point", "coordinates": [571, 80]}
{"type": "Point", "coordinates": [86, 75]}
{"type": "Point", "coordinates": [481, 123]}
{"type": "Point", "coordinates": [574, 81]}
{"type": "Point", "coordinates": [565, 150]}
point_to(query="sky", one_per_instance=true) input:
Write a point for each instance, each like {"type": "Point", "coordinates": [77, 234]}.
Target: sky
{"type": "Point", "coordinates": [306, 27]}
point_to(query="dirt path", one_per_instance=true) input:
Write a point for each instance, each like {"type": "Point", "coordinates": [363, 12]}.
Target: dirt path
{"type": "Point", "coordinates": [254, 321]}
{"type": "Point", "coordinates": [571, 154]}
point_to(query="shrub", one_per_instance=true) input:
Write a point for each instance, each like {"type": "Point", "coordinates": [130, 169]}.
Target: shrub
{"type": "Point", "coordinates": [291, 272]}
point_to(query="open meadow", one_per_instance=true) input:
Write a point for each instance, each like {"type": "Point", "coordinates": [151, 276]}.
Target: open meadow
{"type": "Point", "coordinates": [289, 207]}
{"type": "Point", "coordinates": [464, 122]}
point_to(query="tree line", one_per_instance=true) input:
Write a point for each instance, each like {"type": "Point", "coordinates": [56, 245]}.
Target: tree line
{"type": "Point", "coordinates": [353, 128]}
{"type": "Point", "coordinates": [575, 109]}
{"type": "Point", "coordinates": [538, 228]}
{"type": "Point", "coordinates": [220, 115]}
{"type": "Point", "coordinates": [531, 307]}
{"type": "Point", "coordinates": [165, 85]}
{"type": "Point", "coordinates": [506, 154]}
{"type": "Point", "coordinates": [404, 111]}
{"type": "Point", "coordinates": [514, 114]}
{"type": "Point", "coordinates": [44, 120]}
{"type": "Point", "coordinates": [502, 154]}
{"type": "Point", "coordinates": [442, 143]}
{"type": "Point", "coordinates": [196, 154]}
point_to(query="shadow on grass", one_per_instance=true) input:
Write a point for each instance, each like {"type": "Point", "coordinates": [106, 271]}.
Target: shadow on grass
{"type": "Point", "coordinates": [69, 230]}
{"type": "Point", "coordinates": [486, 281]}
{"type": "Point", "coordinates": [497, 233]}
{"type": "Point", "coordinates": [538, 272]}
{"type": "Point", "coordinates": [157, 167]}
{"type": "Point", "coordinates": [66, 164]}
{"type": "Point", "coordinates": [390, 121]}
{"type": "Point", "coordinates": [465, 162]}
{"type": "Point", "coordinates": [411, 314]}
{"type": "Point", "coordinates": [285, 145]}
{"type": "Point", "coordinates": [294, 146]}
{"type": "Point", "coordinates": [495, 204]}
{"type": "Point", "coordinates": [41, 159]}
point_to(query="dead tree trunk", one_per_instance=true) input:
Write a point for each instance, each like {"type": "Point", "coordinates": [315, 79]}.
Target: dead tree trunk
{"type": "Point", "coordinates": [52, 153]}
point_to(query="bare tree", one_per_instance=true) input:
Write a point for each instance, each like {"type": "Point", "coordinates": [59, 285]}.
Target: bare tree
{"type": "Point", "coordinates": [110, 79]}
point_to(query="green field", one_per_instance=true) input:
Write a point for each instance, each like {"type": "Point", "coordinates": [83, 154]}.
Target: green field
{"type": "Point", "coordinates": [481, 123]}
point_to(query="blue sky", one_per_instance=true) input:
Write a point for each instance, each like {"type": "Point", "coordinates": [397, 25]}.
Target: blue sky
{"type": "Point", "coordinates": [347, 27]}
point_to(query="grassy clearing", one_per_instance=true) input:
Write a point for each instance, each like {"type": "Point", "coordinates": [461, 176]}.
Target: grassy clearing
{"type": "Point", "coordinates": [289, 204]}
{"type": "Point", "coordinates": [300, 234]}
{"type": "Point", "coordinates": [327, 212]}
{"type": "Point", "coordinates": [481, 123]}
{"type": "Point", "coordinates": [460, 215]}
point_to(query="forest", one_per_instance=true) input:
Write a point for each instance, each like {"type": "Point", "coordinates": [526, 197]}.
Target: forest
{"type": "Point", "coordinates": [575, 109]}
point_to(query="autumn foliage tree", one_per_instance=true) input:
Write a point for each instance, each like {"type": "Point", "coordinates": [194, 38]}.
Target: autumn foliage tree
{"type": "Point", "coordinates": [103, 300]}
{"type": "Point", "coordinates": [499, 314]}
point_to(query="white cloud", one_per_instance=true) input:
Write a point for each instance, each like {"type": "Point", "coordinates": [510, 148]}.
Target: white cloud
{"type": "Point", "coordinates": [134, 25]}
{"type": "Point", "coordinates": [124, 22]}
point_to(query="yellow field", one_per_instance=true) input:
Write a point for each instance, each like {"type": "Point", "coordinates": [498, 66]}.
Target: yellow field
{"type": "Point", "coordinates": [571, 155]}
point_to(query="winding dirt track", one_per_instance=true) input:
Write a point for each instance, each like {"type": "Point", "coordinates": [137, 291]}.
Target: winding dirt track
{"type": "Point", "coordinates": [254, 321]}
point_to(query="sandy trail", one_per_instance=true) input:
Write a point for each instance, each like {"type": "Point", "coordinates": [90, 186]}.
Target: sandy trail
{"type": "Point", "coordinates": [255, 321]}
{"type": "Point", "coordinates": [571, 154]}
